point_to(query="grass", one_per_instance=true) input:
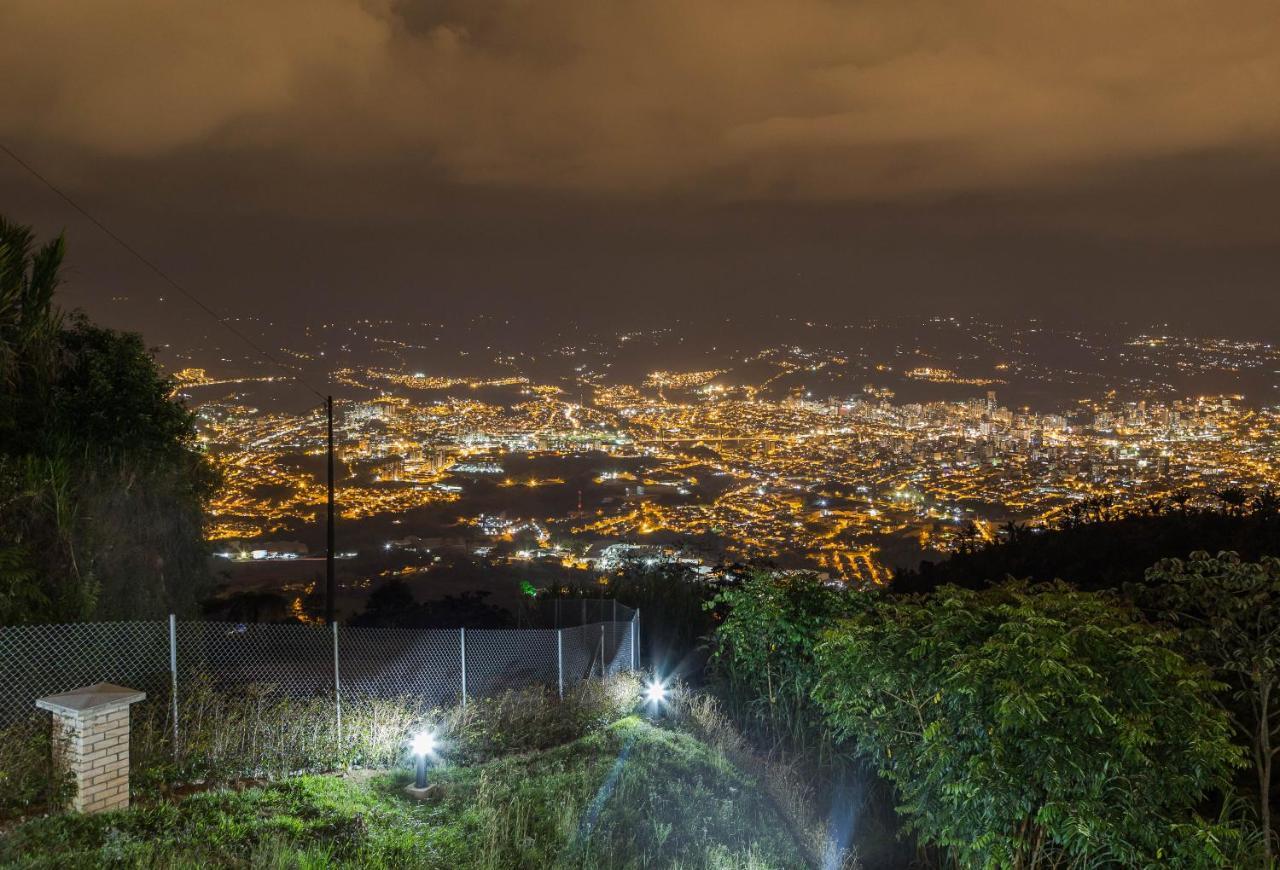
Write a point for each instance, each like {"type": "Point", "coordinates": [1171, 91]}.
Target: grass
{"type": "Point", "coordinates": [631, 794]}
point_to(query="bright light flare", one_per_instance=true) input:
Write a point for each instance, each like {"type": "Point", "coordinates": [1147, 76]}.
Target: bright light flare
{"type": "Point", "coordinates": [655, 692]}
{"type": "Point", "coordinates": [423, 743]}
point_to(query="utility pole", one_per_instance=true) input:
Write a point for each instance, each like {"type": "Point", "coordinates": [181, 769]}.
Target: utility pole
{"type": "Point", "coordinates": [330, 585]}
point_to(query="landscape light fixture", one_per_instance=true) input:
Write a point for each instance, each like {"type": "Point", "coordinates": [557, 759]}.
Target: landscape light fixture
{"type": "Point", "coordinates": [421, 745]}
{"type": "Point", "coordinates": [655, 693]}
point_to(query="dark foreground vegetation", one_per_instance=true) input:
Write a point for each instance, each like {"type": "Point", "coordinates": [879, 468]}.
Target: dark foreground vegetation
{"type": "Point", "coordinates": [1127, 721]}
{"type": "Point", "coordinates": [1099, 545]}
{"type": "Point", "coordinates": [101, 485]}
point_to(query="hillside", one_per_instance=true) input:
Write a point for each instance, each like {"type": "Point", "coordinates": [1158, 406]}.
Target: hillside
{"type": "Point", "coordinates": [631, 794]}
{"type": "Point", "coordinates": [1103, 553]}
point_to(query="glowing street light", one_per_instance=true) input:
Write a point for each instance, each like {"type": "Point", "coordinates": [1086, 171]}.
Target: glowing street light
{"type": "Point", "coordinates": [422, 745]}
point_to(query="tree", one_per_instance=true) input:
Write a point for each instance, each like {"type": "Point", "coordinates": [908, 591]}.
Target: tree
{"type": "Point", "coordinates": [1029, 726]}
{"type": "Point", "coordinates": [101, 482]}
{"type": "Point", "coordinates": [764, 651]}
{"type": "Point", "coordinates": [1228, 611]}
{"type": "Point", "coordinates": [1107, 554]}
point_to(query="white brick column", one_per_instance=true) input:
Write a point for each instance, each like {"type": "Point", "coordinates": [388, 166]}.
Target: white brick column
{"type": "Point", "coordinates": [92, 726]}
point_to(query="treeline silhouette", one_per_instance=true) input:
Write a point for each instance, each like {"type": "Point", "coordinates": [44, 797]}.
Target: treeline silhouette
{"type": "Point", "coordinates": [1100, 544]}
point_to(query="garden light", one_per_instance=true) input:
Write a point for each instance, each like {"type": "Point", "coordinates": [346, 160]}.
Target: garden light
{"type": "Point", "coordinates": [421, 745]}
{"type": "Point", "coordinates": [655, 693]}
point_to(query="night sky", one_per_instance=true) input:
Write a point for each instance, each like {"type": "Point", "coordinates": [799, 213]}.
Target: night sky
{"type": "Point", "coordinates": [629, 160]}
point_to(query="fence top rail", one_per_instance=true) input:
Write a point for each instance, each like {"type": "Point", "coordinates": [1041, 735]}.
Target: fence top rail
{"type": "Point", "coordinates": [568, 607]}
{"type": "Point", "coordinates": [110, 623]}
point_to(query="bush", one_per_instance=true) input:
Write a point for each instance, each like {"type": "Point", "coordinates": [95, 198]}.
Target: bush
{"type": "Point", "coordinates": [253, 732]}
{"type": "Point", "coordinates": [256, 733]}
{"type": "Point", "coordinates": [1033, 723]}
{"type": "Point", "coordinates": [31, 777]}
{"type": "Point", "coordinates": [763, 654]}
{"type": "Point", "coordinates": [524, 720]}
{"type": "Point", "coordinates": [674, 620]}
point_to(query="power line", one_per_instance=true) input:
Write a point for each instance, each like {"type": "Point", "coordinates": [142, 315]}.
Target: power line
{"type": "Point", "coordinates": [158, 271]}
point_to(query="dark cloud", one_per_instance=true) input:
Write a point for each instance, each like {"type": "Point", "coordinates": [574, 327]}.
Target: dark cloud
{"type": "Point", "coordinates": [806, 98]}
{"type": "Point", "coordinates": [1113, 143]}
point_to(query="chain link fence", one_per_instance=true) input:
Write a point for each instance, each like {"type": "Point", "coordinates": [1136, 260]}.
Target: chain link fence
{"type": "Point", "coordinates": [444, 666]}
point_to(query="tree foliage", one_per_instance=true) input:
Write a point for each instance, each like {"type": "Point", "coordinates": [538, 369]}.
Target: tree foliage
{"type": "Point", "coordinates": [1032, 725]}
{"type": "Point", "coordinates": [765, 652]}
{"type": "Point", "coordinates": [1228, 611]}
{"type": "Point", "coordinates": [101, 484]}
{"type": "Point", "coordinates": [1105, 546]}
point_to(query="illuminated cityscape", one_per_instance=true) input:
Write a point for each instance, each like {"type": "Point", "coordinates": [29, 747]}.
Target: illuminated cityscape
{"type": "Point", "coordinates": [750, 461]}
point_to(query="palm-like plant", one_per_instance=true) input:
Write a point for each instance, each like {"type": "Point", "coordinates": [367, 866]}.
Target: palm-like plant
{"type": "Point", "coordinates": [29, 322]}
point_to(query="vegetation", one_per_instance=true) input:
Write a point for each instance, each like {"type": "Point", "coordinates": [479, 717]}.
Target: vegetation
{"type": "Point", "coordinates": [392, 605]}
{"type": "Point", "coordinates": [101, 484]}
{"type": "Point", "coordinates": [764, 655]}
{"type": "Point", "coordinates": [1228, 612]}
{"type": "Point", "coordinates": [1028, 725]}
{"type": "Point", "coordinates": [617, 793]}
{"type": "Point", "coordinates": [764, 663]}
{"type": "Point", "coordinates": [1099, 545]}
{"type": "Point", "coordinates": [678, 622]}
{"type": "Point", "coordinates": [31, 778]}
{"type": "Point", "coordinates": [1019, 724]}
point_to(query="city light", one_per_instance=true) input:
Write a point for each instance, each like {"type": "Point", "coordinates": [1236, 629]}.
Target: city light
{"type": "Point", "coordinates": [834, 485]}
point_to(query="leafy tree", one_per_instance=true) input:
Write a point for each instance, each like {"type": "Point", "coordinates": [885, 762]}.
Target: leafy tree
{"type": "Point", "coordinates": [101, 484]}
{"type": "Point", "coordinates": [1032, 726]}
{"type": "Point", "coordinates": [1228, 611]}
{"type": "Point", "coordinates": [764, 651]}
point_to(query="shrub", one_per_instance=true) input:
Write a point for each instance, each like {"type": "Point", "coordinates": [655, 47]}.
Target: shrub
{"type": "Point", "coordinates": [31, 775]}
{"type": "Point", "coordinates": [254, 732]}
{"type": "Point", "coordinates": [524, 720]}
{"type": "Point", "coordinates": [1024, 724]}
{"type": "Point", "coordinates": [763, 654]}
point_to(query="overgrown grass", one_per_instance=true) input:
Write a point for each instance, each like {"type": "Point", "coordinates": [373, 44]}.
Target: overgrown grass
{"type": "Point", "coordinates": [628, 794]}
{"type": "Point", "coordinates": [31, 777]}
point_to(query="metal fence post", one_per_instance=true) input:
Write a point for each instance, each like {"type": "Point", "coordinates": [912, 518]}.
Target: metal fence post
{"type": "Point", "coordinates": [173, 676]}
{"type": "Point", "coordinates": [462, 650]}
{"type": "Point", "coordinates": [337, 681]}
{"type": "Point", "coordinates": [560, 660]}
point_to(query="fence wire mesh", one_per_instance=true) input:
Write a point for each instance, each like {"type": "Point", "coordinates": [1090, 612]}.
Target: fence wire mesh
{"type": "Point", "coordinates": [391, 662]}
{"type": "Point", "coordinates": [39, 660]}
{"type": "Point", "coordinates": [294, 660]}
{"type": "Point", "coordinates": [443, 666]}
{"type": "Point", "coordinates": [500, 660]}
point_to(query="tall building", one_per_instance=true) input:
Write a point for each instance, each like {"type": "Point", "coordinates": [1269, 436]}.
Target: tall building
{"type": "Point", "coordinates": [991, 401]}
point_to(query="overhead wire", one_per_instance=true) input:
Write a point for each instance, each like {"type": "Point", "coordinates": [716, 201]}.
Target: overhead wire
{"type": "Point", "coordinates": [163, 275]}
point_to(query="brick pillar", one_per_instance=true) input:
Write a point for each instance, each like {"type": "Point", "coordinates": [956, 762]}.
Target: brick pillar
{"type": "Point", "coordinates": [92, 723]}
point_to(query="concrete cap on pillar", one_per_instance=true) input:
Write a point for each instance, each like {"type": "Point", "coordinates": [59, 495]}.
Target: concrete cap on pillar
{"type": "Point", "coordinates": [88, 699]}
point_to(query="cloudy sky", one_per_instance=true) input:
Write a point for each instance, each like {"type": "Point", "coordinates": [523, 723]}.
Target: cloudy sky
{"type": "Point", "coordinates": [1112, 159]}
